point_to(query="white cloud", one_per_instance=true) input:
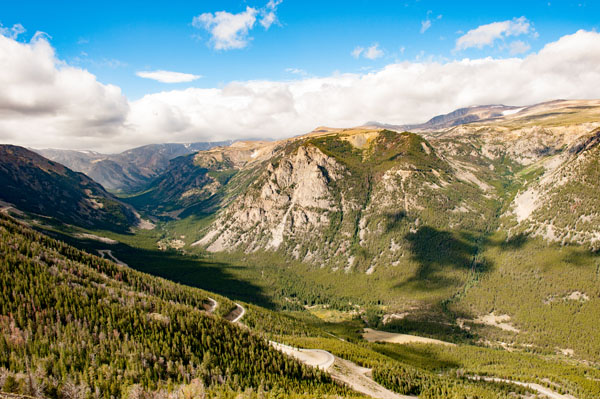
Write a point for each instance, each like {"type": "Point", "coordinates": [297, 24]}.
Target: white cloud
{"type": "Point", "coordinates": [486, 35]}
{"type": "Point", "coordinates": [272, 4]}
{"type": "Point", "coordinates": [373, 52]}
{"type": "Point", "coordinates": [519, 47]}
{"type": "Point", "coordinates": [357, 51]}
{"type": "Point", "coordinates": [268, 19]}
{"type": "Point", "coordinates": [46, 103]}
{"type": "Point", "coordinates": [14, 32]}
{"type": "Point", "coordinates": [268, 14]}
{"type": "Point", "coordinates": [426, 24]}
{"type": "Point", "coordinates": [232, 31]}
{"type": "Point", "coordinates": [228, 31]}
{"type": "Point", "coordinates": [168, 76]}
{"type": "Point", "coordinates": [296, 71]}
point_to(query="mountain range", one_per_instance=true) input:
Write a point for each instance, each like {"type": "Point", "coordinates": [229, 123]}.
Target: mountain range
{"type": "Point", "coordinates": [129, 170]}
{"type": "Point", "coordinates": [476, 232]}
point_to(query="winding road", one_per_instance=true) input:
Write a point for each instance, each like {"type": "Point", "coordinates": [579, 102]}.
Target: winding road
{"type": "Point", "coordinates": [359, 378]}
{"type": "Point", "coordinates": [311, 357]}
{"type": "Point", "coordinates": [211, 306]}
{"type": "Point", "coordinates": [356, 377]}
{"type": "Point", "coordinates": [107, 254]}
{"type": "Point", "coordinates": [236, 314]}
{"type": "Point", "coordinates": [536, 387]}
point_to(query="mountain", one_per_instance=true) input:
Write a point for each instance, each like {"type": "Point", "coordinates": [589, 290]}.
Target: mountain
{"type": "Point", "coordinates": [370, 189]}
{"type": "Point", "coordinates": [129, 170]}
{"type": "Point", "coordinates": [203, 182]}
{"type": "Point", "coordinates": [74, 325]}
{"type": "Point", "coordinates": [354, 188]}
{"type": "Point", "coordinates": [435, 226]}
{"type": "Point", "coordinates": [35, 184]}
{"type": "Point", "coordinates": [460, 116]}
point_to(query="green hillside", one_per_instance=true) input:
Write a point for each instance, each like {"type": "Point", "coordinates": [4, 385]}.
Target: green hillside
{"type": "Point", "coordinates": [70, 320]}
{"type": "Point", "coordinates": [35, 184]}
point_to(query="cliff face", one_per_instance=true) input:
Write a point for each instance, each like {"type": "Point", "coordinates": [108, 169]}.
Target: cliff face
{"type": "Point", "coordinates": [562, 205]}
{"type": "Point", "coordinates": [292, 198]}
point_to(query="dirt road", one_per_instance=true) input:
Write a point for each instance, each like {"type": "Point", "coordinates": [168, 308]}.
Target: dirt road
{"type": "Point", "coordinates": [356, 377]}
{"type": "Point", "coordinates": [211, 305]}
{"type": "Point", "coordinates": [107, 254]}
{"type": "Point", "coordinates": [236, 314]}
{"type": "Point", "coordinates": [536, 387]}
{"type": "Point", "coordinates": [311, 357]}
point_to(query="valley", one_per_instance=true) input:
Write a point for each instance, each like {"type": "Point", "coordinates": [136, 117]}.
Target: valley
{"type": "Point", "coordinates": [450, 261]}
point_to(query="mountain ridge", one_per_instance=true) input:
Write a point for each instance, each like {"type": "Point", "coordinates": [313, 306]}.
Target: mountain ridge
{"type": "Point", "coordinates": [129, 170]}
{"type": "Point", "coordinates": [35, 184]}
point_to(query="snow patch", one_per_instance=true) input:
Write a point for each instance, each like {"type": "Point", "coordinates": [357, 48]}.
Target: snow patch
{"type": "Point", "coordinates": [512, 111]}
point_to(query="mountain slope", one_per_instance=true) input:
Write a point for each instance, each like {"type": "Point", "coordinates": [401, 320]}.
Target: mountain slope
{"type": "Point", "coordinates": [75, 324]}
{"type": "Point", "coordinates": [129, 170]}
{"type": "Point", "coordinates": [562, 205]}
{"type": "Point", "coordinates": [457, 117]}
{"type": "Point", "coordinates": [360, 190]}
{"type": "Point", "coordinates": [204, 182]}
{"type": "Point", "coordinates": [35, 184]}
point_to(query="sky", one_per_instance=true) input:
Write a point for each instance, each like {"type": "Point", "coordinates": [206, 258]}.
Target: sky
{"type": "Point", "coordinates": [112, 75]}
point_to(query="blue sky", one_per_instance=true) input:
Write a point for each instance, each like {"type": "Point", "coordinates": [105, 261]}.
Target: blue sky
{"type": "Point", "coordinates": [112, 75]}
{"type": "Point", "coordinates": [115, 39]}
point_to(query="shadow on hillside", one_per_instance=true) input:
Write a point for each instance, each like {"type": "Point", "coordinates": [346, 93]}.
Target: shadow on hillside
{"type": "Point", "coordinates": [189, 270]}
{"type": "Point", "coordinates": [437, 251]}
{"type": "Point", "coordinates": [393, 220]}
{"type": "Point", "coordinates": [416, 355]}
{"type": "Point", "coordinates": [209, 275]}
{"type": "Point", "coordinates": [515, 242]}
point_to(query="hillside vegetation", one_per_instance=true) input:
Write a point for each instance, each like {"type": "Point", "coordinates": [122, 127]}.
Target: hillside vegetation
{"type": "Point", "coordinates": [73, 321]}
{"type": "Point", "coordinates": [35, 184]}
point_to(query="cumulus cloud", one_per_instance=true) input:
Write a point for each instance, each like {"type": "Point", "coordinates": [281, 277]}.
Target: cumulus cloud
{"type": "Point", "coordinates": [44, 102]}
{"type": "Point", "coordinates": [426, 24]}
{"type": "Point", "coordinates": [296, 71]}
{"type": "Point", "coordinates": [232, 31]}
{"type": "Point", "coordinates": [168, 76]}
{"type": "Point", "coordinates": [486, 35]}
{"type": "Point", "coordinates": [407, 92]}
{"type": "Point", "coordinates": [228, 31]}
{"type": "Point", "coordinates": [373, 52]}
{"type": "Point", "coordinates": [357, 51]}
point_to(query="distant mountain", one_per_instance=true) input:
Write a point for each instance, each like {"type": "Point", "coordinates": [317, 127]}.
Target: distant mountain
{"type": "Point", "coordinates": [129, 170]}
{"type": "Point", "coordinates": [35, 184]}
{"type": "Point", "coordinates": [201, 182]}
{"type": "Point", "coordinates": [458, 117]}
